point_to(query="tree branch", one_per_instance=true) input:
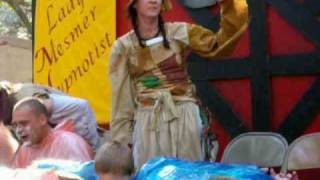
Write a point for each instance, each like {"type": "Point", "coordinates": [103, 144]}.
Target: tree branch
{"type": "Point", "coordinates": [23, 17]}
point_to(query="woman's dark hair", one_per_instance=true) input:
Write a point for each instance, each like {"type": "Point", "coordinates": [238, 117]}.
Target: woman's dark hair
{"type": "Point", "coordinates": [132, 14]}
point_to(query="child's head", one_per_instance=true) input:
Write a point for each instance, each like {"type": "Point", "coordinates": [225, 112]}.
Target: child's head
{"type": "Point", "coordinates": [114, 158]}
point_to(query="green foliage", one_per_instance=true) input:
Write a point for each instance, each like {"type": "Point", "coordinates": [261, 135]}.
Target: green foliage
{"type": "Point", "coordinates": [16, 18]}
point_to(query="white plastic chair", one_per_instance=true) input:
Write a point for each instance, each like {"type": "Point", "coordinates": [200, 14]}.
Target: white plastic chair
{"type": "Point", "coordinates": [264, 149]}
{"type": "Point", "coordinates": [303, 153]}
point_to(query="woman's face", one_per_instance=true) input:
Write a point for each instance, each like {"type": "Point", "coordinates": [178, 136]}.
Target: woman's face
{"type": "Point", "coordinates": [148, 8]}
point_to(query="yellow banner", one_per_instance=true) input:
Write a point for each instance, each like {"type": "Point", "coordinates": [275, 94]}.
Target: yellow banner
{"type": "Point", "coordinates": [71, 49]}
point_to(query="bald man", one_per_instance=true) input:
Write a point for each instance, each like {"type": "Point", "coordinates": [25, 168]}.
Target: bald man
{"type": "Point", "coordinates": [40, 141]}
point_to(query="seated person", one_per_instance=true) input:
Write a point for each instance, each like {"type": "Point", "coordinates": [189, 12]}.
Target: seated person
{"type": "Point", "coordinates": [114, 161]}
{"type": "Point", "coordinates": [61, 107]}
{"type": "Point", "coordinates": [75, 110]}
{"type": "Point", "coordinates": [39, 141]}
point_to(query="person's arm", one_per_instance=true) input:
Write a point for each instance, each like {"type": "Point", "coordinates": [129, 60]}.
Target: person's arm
{"type": "Point", "coordinates": [234, 21]}
{"type": "Point", "coordinates": [122, 95]}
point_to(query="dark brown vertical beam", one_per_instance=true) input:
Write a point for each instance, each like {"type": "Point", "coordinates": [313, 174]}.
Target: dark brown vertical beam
{"type": "Point", "coordinates": [260, 84]}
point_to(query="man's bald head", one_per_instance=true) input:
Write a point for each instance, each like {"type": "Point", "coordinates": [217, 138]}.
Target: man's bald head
{"type": "Point", "coordinates": [34, 104]}
{"type": "Point", "coordinates": [115, 158]}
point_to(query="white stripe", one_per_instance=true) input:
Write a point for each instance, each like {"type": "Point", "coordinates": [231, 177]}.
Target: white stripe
{"type": "Point", "coordinates": [153, 41]}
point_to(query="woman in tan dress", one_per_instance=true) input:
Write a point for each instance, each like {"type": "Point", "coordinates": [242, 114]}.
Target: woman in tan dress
{"type": "Point", "coordinates": [153, 99]}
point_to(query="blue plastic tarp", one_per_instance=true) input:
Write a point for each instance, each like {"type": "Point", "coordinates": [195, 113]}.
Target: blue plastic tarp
{"type": "Point", "coordinates": [171, 169]}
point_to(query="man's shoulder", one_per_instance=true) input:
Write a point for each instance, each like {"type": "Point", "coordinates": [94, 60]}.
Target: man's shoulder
{"type": "Point", "coordinates": [63, 134]}
{"type": "Point", "coordinates": [72, 143]}
{"type": "Point", "coordinates": [67, 139]}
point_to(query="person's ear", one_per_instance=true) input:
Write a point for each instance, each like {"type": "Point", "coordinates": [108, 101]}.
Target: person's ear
{"type": "Point", "coordinates": [43, 119]}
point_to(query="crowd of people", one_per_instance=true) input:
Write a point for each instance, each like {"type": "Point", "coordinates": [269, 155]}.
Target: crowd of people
{"type": "Point", "coordinates": [155, 110]}
{"type": "Point", "coordinates": [41, 140]}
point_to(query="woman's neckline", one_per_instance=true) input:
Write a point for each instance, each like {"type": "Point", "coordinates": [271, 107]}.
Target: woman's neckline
{"type": "Point", "coordinates": [156, 35]}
